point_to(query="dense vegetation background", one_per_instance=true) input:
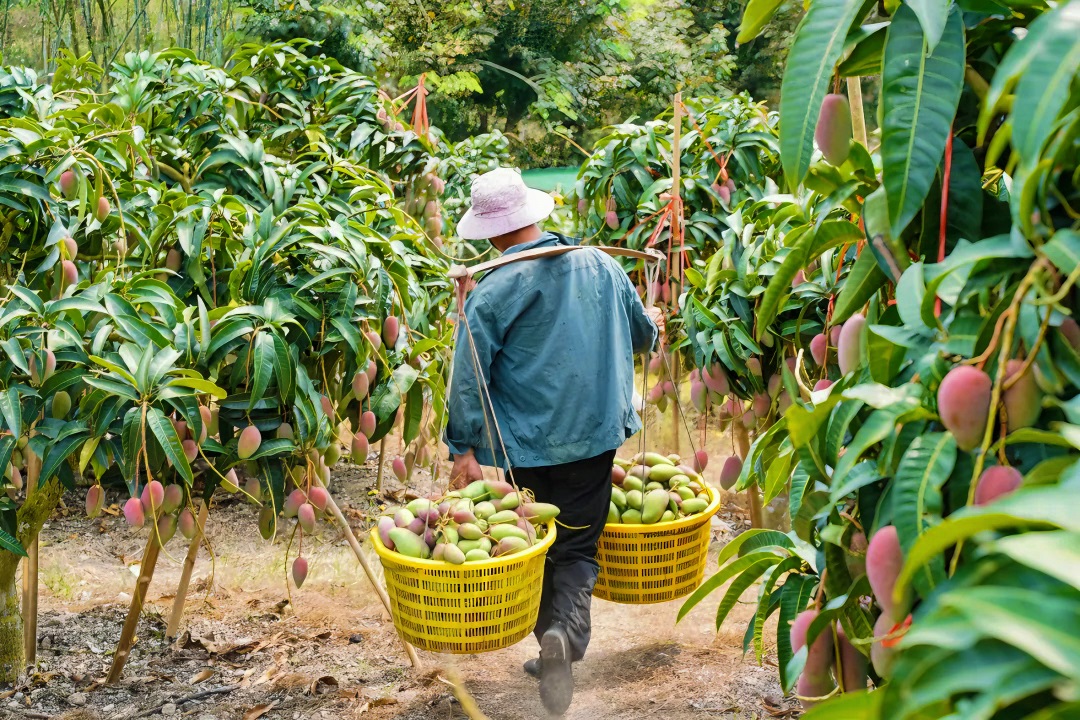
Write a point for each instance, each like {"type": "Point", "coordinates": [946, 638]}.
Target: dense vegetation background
{"type": "Point", "coordinates": [539, 70]}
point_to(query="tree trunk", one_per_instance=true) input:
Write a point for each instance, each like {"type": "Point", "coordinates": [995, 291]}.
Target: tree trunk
{"type": "Point", "coordinates": [32, 515]}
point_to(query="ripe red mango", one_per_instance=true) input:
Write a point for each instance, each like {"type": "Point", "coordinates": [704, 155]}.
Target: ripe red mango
{"type": "Point", "coordinates": [305, 515]}
{"type": "Point", "coordinates": [152, 498]}
{"type": "Point", "coordinates": [391, 327]}
{"type": "Point", "coordinates": [701, 460]}
{"type": "Point", "coordinates": [400, 471]}
{"type": "Point", "coordinates": [70, 273]}
{"type": "Point", "coordinates": [166, 528]}
{"type": "Point", "coordinates": [95, 500]}
{"type": "Point", "coordinates": [253, 489]}
{"type": "Point", "coordinates": [360, 385]}
{"type": "Point", "coordinates": [360, 448]}
{"type": "Point", "coordinates": [249, 442]}
{"type": "Point", "coordinates": [191, 450]}
{"type": "Point", "coordinates": [319, 498]}
{"type": "Point", "coordinates": [69, 184]}
{"type": "Point", "coordinates": [71, 248]}
{"type": "Point", "coordinates": [617, 475]}
{"type": "Point", "coordinates": [1023, 401]}
{"type": "Point", "coordinates": [374, 338]}
{"type": "Point", "coordinates": [815, 680]}
{"type": "Point", "coordinates": [372, 371]}
{"type": "Point", "coordinates": [995, 482]}
{"type": "Point", "coordinates": [231, 483]}
{"type": "Point", "coordinates": [187, 524]}
{"type": "Point", "coordinates": [852, 663]}
{"type": "Point", "coordinates": [133, 513]}
{"type": "Point", "coordinates": [293, 502]}
{"type": "Point", "coordinates": [819, 348]}
{"type": "Point", "coordinates": [173, 498]}
{"type": "Point", "coordinates": [823, 384]}
{"type": "Point", "coordinates": [833, 134]}
{"type": "Point", "coordinates": [729, 473]}
{"type": "Point", "coordinates": [612, 219]}
{"type": "Point", "coordinates": [299, 571]}
{"type": "Point", "coordinates": [849, 351]}
{"type": "Point", "coordinates": [101, 212]}
{"type": "Point", "coordinates": [715, 379]}
{"type": "Point", "coordinates": [699, 396]}
{"type": "Point", "coordinates": [884, 559]}
{"type": "Point", "coordinates": [964, 403]}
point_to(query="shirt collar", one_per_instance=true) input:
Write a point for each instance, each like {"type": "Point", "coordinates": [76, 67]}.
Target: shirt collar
{"type": "Point", "coordinates": [546, 238]}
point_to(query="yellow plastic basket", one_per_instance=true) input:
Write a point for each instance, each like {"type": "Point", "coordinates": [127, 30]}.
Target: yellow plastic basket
{"type": "Point", "coordinates": [470, 608]}
{"type": "Point", "coordinates": [643, 564]}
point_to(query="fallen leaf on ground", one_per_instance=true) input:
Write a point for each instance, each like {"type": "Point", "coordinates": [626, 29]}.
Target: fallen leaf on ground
{"type": "Point", "coordinates": [322, 684]}
{"type": "Point", "coordinates": [200, 676]}
{"type": "Point", "coordinates": [259, 710]}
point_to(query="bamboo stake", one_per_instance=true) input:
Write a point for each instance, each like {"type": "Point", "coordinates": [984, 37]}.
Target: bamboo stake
{"type": "Point", "coordinates": [676, 237]}
{"type": "Point", "coordinates": [127, 635]}
{"type": "Point", "coordinates": [676, 415]}
{"type": "Point", "coordinates": [30, 574]}
{"type": "Point", "coordinates": [858, 119]}
{"type": "Point", "coordinates": [332, 505]}
{"type": "Point", "coordinates": [742, 447]}
{"type": "Point", "coordinates": [382, 459]}
{"type": "Point", "coordinates": [185, 575]}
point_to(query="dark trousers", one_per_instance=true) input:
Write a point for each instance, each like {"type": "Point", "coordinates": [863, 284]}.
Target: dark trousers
{"type": "Point", "coordinates": [582, 492]}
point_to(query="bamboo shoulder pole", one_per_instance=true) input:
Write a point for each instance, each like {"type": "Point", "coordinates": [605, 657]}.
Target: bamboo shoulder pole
{"type": "Point", "coordinates": [185, 575]}
{"type": "Point", "coordinates": [332, 505]}
{"type": "Point", "coordinates": [676, 235]}
{"type": "Point", "coordinates": [127, 635]}
{"type": "Point", "coordinates": [382, 463]}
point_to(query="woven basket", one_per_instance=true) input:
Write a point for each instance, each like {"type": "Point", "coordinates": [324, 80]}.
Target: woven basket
{"type": "Point", "coordinates": [470, 608]}
{"type": "Point", "coordinates": [644, 564]}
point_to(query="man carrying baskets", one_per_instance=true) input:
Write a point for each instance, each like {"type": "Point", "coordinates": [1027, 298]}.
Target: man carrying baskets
{"type": "Point", "coordinates": [553, 339]}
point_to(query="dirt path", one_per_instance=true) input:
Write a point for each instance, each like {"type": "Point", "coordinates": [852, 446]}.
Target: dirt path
{"type": "Point", "coordinates": [329, 651]}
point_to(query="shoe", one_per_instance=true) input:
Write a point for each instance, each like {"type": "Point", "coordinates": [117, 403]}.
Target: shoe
{"type": "Point", "coordinates": [532, 668]}
{"type": "Point", "coordinates": [556, 677]}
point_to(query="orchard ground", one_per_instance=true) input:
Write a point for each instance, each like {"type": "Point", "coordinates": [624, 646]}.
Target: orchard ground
{"type": "Point", "coordinates": [330, 650]}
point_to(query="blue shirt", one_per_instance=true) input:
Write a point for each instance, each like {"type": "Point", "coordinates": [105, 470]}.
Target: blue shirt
{"type": "Point", "coordinates": [555, 340]}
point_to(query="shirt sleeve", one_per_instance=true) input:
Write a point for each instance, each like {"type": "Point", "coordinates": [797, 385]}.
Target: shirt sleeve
{"type": "Point", "coordinates": [465, 425]}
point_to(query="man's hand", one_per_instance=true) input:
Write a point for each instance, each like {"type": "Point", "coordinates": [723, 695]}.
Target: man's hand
{"type": "Point", "coordinates": [657, 316]}
{"type": "Point", "coordinates": [465, 470]}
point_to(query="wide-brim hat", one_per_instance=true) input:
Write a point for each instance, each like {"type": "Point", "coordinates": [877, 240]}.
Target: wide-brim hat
{"type": "Point", "coordinates": [501, 203]}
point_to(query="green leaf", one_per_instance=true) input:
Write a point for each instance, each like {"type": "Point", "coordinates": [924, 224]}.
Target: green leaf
{"type": "Point", "coordinates": [819, 43]}
{"type": "Point", "coordinates": [387, 397]}
{"type": "Point", "coordinates": [765, 600]}
{"type": "Point", "coordinates": [916, 498]}
{"type": "Point", "coordinates": [865, 279]}
{"type": "Point", "coordinates": [796, 593]}
{"type": "Point", "coordinates": [932, 15]}
{"type": "Point", "coordinates": [1063, 249]}
{"type": "Point", "coordinates": [865, 57]}
{"type": "Point", "coordinates": [757, 15]}
{"type": "Point", "coordinates": [166, 436]}
{"type": "Point", "coordinates": [262, 367]}
{"type": "Point", "coordinates": [750, 575]}
{"type": "Point", "coordinates": [57, 452]}
{"type": "Point", "coordinates": [724, 574]}
{"type": "Point", "coordinates": [11, 409]}
{"type": "Point", "coordinates": [919, 95]}
{"type": "Point", "coordinates": [10, 543]}
{"type": "Point", "coordinates": [1037, 507]}
{"type": "Point", "coordinates": [1044, 626]}
{"type": "Point", "coordinates": [414, 413]}
{"type": "Point", "coordinates": [862, 705]}
{"type": "Point", "coordinates": [1056, 553]}
{"type": "Point", "coordinates": [199, 385]}
{"type": "Point", "coordinates": [1045, 85]}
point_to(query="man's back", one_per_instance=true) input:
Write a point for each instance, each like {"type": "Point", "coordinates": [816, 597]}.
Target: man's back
{"type": "Point", "coordinates": [555, 338]}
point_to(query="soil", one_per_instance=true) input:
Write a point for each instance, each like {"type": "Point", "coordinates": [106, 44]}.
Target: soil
{"type": "Point", "coordinates": [248, 649]}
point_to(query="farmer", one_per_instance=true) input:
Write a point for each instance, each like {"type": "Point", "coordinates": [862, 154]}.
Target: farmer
{"type": "Point", "coordinates": [554, 340]}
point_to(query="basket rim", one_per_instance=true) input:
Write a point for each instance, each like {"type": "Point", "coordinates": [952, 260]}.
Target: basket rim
{"type": "Point", "coordinates": [686, 522]}
{"type": "Point", "coordinates": [539, 548]}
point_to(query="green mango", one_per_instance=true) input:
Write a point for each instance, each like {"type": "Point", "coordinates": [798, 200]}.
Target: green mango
{"type": "Point", "coordinates": [453, 554]}
{"type": "Point", "coordinates": [466, 545]}
{"type": "Point", "coordinates": [501, 517]}
{"type": "Point", "coordinates": [653, 459]}
{"type": "Point", "coordinates": [612, 513]}
{"type": "Point", "coordinates": [484, 510]}
{"type": "Point", "coordinates": [685, 493]}
{"type": "Point", "coordinates": [505, 530]}
{"type": "Point", "coordinates": [510, 545]}
{"type": "Point", "coordinates": [469, 531]}
{"type": "Point", "coordinates": [668, 516]}
{"type": "Point", "coordinates": [632, 483]}
{"type": "Point", "coordinates": [664, 473]}
{"type": "Point", "coordinates": [631, 517]}
{"type": "Point", "coordinates": [694, 506]}
{"type": "Point", "coordinates": [448, 535]}
{"type": "Point", "coordinates": [485, 544]}
{"type": "Point", "coordinates": [475, 490]}
{"type": "Point", "coordinates": [540, 513]}
{"type": "Point", "coordinates": [678, 481]}
{"type": "Point", "coordinates": [618, 497]}
{"type": "Point", "coordinates": [408, 544]}
{"type": "Point", "coordinates": [649, 487]}
{"type": "Point", "coordinates": [634, 499]}
{"type": "Point", "coordinates": [476, 556]}
{"type": "Point", "coordinates": [509, 501]}
{"type": "Point", "coordinates": [653, 506]}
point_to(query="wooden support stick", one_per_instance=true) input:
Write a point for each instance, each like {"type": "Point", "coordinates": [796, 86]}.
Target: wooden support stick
{"type": "Point", "coordinates": [30, 573]}
{"type": "Point", "coordinates": [185, 575]}
{"type": "Point", "coordinates": [332, 505]}
{"type": "Point", "coordinates": [858, 118]}
{"type": "Point", "coordinates": [382, 461]}
{"type": "Point", "coordinates": [676, 414]}
{"type": "Point", "coordinates": [127, 635]}
{"type": "Point", "coordinates": [742, 447]}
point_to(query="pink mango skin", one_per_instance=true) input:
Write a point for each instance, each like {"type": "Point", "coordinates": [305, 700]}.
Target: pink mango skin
{"type": "Point", "coordinates": [819, 348]}
{"type": "Point", "coordinates": [815, 680]}
{"type": "Point", "coordinates": [884, 559]}
{"type": "Point", "coordinates": [995, 482]}
{"type": "Point", "coordinates": [1023, 400]}
{"type": "Point", "coordinates": [849, 352]}
{"type": "Point", "coordinates": [852, 664]}
{"type": "Point", "coordinates": [964, 404]}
